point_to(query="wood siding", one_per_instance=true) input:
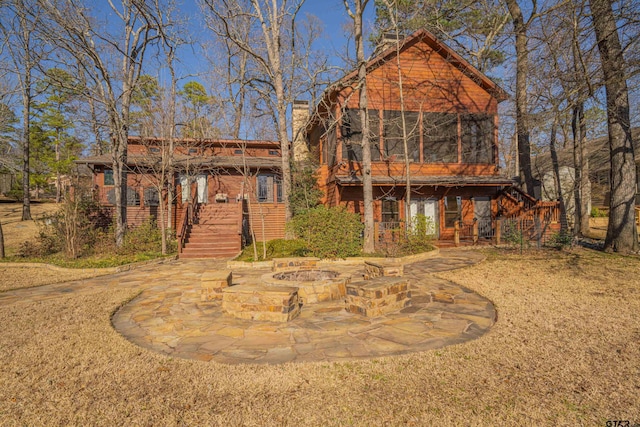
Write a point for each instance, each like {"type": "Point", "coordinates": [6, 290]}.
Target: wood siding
{"type": "Point", "coordinates": [267, 221]}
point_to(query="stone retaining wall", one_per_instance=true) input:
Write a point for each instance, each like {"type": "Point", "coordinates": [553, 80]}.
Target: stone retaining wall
{"type": "Point", "coordinates": [377, 297]}
{"type": "Point", "coordinates": [258, 302]}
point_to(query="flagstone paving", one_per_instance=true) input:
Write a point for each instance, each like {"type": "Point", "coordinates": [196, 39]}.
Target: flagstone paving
{"type": "Point", "coordinates": [169, 317]}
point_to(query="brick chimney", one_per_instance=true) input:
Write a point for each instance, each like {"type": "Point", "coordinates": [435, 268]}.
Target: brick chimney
{"type": "Point", "coordinates": [388, 39]}
{"type": "Point", "coordinates": [299, 118]}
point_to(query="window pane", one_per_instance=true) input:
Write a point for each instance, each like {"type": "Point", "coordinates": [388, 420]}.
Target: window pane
{"type": "Point", "coordinates": [352, 135]}
{"type": "Point", "coordinates": [390, 211]}
{"type": "Point", "coordinates": [440, 137]}
{"type": "Point", "coordinates": [263, 192]}
{"type": "Point", "coordinates": [452, 210]}
{"type": "Point", "coordinates": [278, 188]}
{"type": "Point", "coordinates": [394, 136]}
{"type": "Point", "coordinates": [108, 177]}
{"type": "Point", "coordinates": [151, 197]}
{"type": "Point", "coordinates": [477, 138]}
{"type": "Point", "coordinates": [374, 134]}
{"type": "Point", "coordinates": [265, 188]}
{"type": "Point", "coordinates": [133, 198]}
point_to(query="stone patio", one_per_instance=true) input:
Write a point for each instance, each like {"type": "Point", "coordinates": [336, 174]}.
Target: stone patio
{"type": "Point", "coordinates": [170, 318]}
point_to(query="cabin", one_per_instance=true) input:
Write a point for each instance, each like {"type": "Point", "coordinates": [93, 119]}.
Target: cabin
{"type": "Point", "coordinates": [428, 102]}
{"type": "Point", "coordinates": [227, 192]}
{"type": "Point", "coordinates": [424, 100]}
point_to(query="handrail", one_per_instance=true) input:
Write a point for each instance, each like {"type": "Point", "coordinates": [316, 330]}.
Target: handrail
{"type": "Point", "coordinates": [241, 208]}
{"type": "Point", "coordinates": [182, 233]}
{"type": "Point", "coordinates": [187, 220]}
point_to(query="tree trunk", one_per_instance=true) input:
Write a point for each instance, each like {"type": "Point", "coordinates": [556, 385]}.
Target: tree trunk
{"type": "Point", "coordinates": [119, 157]}
{"type": "Point", "coordinates": [582, 194]}
{"type": "Point", "coordinates": [26, 116]}
{"type": "Point", "coordinates": [58, 189]}
{"type": "Point", "coordinates": [621, 232]}
{"type": "Point", "coordinates": [367, 184]}
{"type": "Point", "coordinates": [1, 242]}
{"type": "Point", "coordinates": [522, 72]}
{"type": "Point", "coordinates": [576, 116]}
{"type": "Point", "coordinates": [564, 226]}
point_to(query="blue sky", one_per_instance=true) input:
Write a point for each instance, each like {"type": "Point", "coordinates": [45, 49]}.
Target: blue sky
{"type": "Point", "coordinates": [331, 13]}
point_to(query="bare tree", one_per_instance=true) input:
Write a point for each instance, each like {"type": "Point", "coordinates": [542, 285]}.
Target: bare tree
{"type": "Point", "coordinates": [621, 232]}
{"type": "Point", "coordinates": [520, 27]}
{"type": "Point", "coordinates": [273, 18]}
{"type": "Point", "coordinates": [112, 60]}
{"type": "Point", "coordinates": [474, 28]}
{"type": "Point", "coordinates": [356, 13]}
{"type": "Point", "coordinates": [20, 25]}
{"type": "Point", "coordinates": [392, 9]}
{"type": "Point", "coordinates": [563, 74]}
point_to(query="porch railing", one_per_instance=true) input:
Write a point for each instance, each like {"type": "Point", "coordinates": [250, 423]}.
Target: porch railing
{"type": "Point", "coordinates": [388, 232]}
{"type": "Point", "coordinates": [190, 212]}
{"type": "Point", "coordinates": [474, 231]}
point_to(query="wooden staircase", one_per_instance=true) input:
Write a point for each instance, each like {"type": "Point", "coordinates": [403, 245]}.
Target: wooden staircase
{"type": "Point", "coordinates": [534, 219]}
{"type": "Point", "coordinates": [215, 232]}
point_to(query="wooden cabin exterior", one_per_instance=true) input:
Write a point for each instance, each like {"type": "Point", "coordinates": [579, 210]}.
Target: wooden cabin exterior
{"type": "Point", "coordinates": [451, 128]}
{"type": "Point", "coordinates": [236, 184]}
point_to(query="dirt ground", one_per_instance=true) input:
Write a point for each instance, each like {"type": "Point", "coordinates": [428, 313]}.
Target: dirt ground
{"type": "Point", "coordinates": [565, 351]}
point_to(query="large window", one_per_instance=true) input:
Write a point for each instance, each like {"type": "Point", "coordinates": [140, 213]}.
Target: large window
{"type": "Point", "coordinates": [440, 137]}
{"type": "Point", "coordinates": [352, 135]}
{"type": "Point", "coordinates": [268, 186]}
{"type": "Point", "coordinates": [477, 138]}
{"type": "Point", "coordinates": [151, 197]}
{"type": "Point", "coordinates": [452, 210]}
{"type": "Point", "coordinates": [390, 210]}
{"type": "Point", "coordinates": [133, 198]}
{"type": "Point", "coordinates": [394, 136]}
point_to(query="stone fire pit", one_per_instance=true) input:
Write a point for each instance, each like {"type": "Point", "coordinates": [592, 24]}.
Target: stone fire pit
{"type": "Point", "coordinates": [313, 285]}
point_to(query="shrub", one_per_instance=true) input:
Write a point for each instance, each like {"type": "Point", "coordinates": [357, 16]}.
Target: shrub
{"type": "Point", "coordinates": [146, 237]}
{"type": "Point", "coordinates": [418, 238]}
{"type": "Point", "coordinates": [71, 229]}
{"type": "Point", "coordinates": [415, 240]}
{"type": "Point", "coordinates": [278, 248]}
{"type": "Point", "coordinates": [329, 232]}
{"type": "Point", "coordinates": [598, 213]}
{"type": "Point", "coordinates": [560, 240]}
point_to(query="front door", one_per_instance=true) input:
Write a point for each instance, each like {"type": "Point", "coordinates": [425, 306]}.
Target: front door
{"type": "Point", "coordinates": [203, 196]}
{"type": "Point", "coordinates": [186, 187]}
{"type": "Point", "coordinates": [428, 208]}
{"type": "Point", "coordinates": [482, 213]}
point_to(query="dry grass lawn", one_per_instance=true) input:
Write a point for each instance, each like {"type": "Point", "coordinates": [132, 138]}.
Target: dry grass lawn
{"type": "Point", "coordinates": [565, 351]}
{"type": "Point", "coordinates": [12, 277]}
{"type": "Point", "coordinates": [16, 231]}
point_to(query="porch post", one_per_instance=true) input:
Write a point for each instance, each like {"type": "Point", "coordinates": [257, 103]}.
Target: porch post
{"type": "Point", "coordinates": [497, 235]}
{"type": "Point", "coordinates": [456, 233]}
{"type": "Point", "coordinates": [475, 231]}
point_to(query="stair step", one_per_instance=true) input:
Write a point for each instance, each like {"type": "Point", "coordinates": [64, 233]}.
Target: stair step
{"type": "Point", "coordinates": [214, 233]}
{"type": "Point", "coordinates": [214, 246]}
{"type": "Point", "coordinates": [218, 236]}
{"type": "Point", "coordinates": [207, 256]}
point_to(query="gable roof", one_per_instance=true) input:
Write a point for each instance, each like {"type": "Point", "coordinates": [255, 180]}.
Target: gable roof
{"type": "Point", "coordinates": [440, 48]}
